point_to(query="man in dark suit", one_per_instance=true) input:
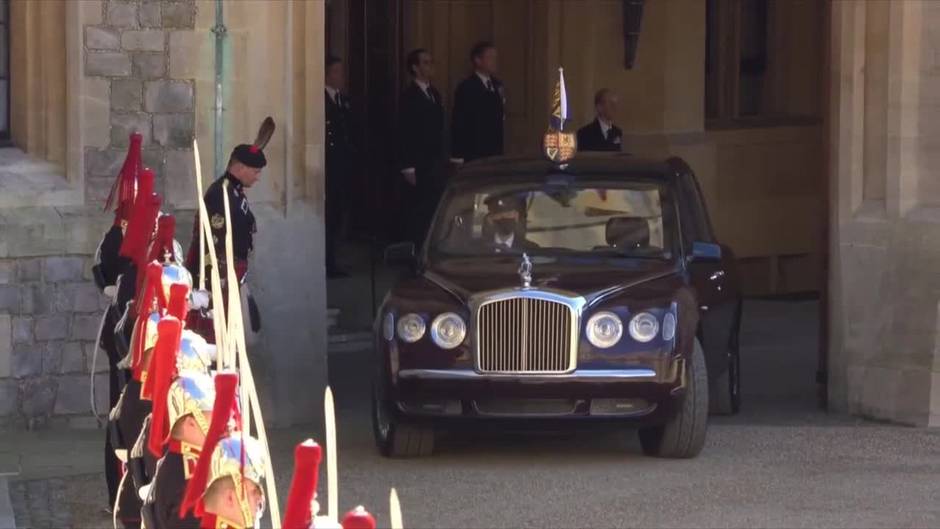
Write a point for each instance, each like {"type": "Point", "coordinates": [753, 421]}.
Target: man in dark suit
{"type": "Point", "coordinates": [601, 134]}
{"type": "Point", "coordinates": [339, 159]}
{"type": "Point", "coordinates": [479, 104]}
{"type": "Point", "coordinates": [421, 151]}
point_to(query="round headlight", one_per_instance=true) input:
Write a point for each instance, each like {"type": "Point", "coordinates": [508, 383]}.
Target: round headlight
{"type": "Point", "coordinates": [388, 326]}
{"type": "Point", "coordinates": [644, 327]}
{"type": "Point", "coordinates": [669, 327]}
{"type": "Point", "coordinates": [448, 330]}
{"type": "Point", "coordinates": [410, 328]}
{"type": "Point", "coordinates": [604, 330]}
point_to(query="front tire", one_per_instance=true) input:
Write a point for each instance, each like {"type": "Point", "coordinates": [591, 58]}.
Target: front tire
{"type": "Point", "coordinates": [397, 438]}
{"type": "Point", "coordinates": [683, 436]}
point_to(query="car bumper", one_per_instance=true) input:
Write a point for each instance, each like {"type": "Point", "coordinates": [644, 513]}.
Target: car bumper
{"type": "Point", "coordinates": [647, 394]}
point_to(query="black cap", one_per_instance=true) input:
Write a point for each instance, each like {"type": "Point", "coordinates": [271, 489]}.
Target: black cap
{"type": "Point", "coordinates": [506, 202]}
{"type": "Point", "coordinates": [250, 155]}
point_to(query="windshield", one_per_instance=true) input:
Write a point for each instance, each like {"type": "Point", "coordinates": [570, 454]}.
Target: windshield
{"type": "Point", "coordinates": [623, 219]}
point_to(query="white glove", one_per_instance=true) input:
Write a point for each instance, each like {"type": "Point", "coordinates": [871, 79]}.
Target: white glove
{"type": "Point", "coordinates": [199, 299]}
{"type": "Point", "coordinates": [111, 291]}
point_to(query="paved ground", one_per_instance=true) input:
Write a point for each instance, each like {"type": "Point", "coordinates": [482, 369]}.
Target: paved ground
{"type": "Point", "coordinates": [781, 463]}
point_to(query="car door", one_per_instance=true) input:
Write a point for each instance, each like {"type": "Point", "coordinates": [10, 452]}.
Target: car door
{"type": "Point", "coordinates": [715, 282]}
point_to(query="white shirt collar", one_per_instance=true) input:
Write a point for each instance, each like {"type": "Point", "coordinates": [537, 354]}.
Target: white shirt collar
{"type": "Point", "coordinates": [605, 126]}
{"type": "Point", "coordinates": [332, 91]}
{"type": "Point", "coordinates": [507, 242]}
{"type": "Point", "coordinates": [485, 78]}
{"type": "Point", "coordinates": [423, 85]}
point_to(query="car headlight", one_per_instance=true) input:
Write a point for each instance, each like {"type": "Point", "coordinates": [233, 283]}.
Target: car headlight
{"type": "Point", "coordinates": [669, 326]}
{"type": "Point", "coordinates": [604, 330]}
{"type": "Point", "coordinates": [448, 330]}
{"type": "Point", "coordinates": [644, 327]}
{"type": "Point", "coordinates": [388, 326]}
{"type": "Point", "coordinates": [411, 328]}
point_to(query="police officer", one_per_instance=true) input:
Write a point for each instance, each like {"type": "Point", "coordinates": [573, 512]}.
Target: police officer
{"type": "Point", "coordinates": [479, 104]}
{"type": "Point", "coordinates": [421, 136]}
{"type": "Point", "coordinates": [601, 134]}
{"type": "Point", "coordinates": [339, 159]}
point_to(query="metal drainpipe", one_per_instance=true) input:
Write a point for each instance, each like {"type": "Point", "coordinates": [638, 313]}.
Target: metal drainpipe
{"type": "Point", "coordinates": [220, 31]}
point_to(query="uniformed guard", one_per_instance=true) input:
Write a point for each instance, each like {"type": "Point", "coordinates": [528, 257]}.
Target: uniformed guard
{"type": "Point", "coordinates": [106, 270]}
{"type": "Point", "coordinates": [225, 488]}
{"type": "Point", "coordinates": [244, 170]}
{"type": "Point", "coordinates": [339, 159]}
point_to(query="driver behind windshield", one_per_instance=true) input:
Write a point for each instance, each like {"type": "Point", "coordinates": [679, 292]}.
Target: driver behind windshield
{"type": "Point", "coordinates": [504, 226]}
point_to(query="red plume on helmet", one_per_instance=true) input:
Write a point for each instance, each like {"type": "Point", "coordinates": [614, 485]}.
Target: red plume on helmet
{"type": "Point", "coordinates": [358, 518]}
{"type": "Point", "coordinates": [136, 236]}
{"type": "Point", "coordinates": [226, 383]}
{"type": "Point", "coordinates": [153, 294]}
{"type": "Point", "coordinates": [124, 183]}
{"type": "Point", "coordinates": [298, 514]}
{"type": "Point", "coordinates": [162, 372]}
{"type": "Point", "coordinates": [163, 244]}
{"type": "Point", "coordinates": [178, 304]}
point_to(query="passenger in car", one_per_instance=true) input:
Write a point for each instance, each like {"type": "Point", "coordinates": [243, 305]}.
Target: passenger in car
{"type": "Point", "coordinates": [504, 224]}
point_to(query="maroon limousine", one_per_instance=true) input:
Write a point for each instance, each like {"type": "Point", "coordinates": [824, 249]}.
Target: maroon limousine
{"type": "Point", "coordinates": [588, 291]}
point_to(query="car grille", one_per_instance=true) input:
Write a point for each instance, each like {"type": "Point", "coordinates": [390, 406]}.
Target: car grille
{"type": "Point", "coordinates": [524, 335]}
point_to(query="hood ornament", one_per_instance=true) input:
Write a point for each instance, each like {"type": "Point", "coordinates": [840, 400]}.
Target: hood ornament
{"type": "Point", "coordinates": [525, 271]}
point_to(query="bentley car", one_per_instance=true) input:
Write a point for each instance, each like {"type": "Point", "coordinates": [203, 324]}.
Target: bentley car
{"type": "Point", "coordinates": [587, 291]}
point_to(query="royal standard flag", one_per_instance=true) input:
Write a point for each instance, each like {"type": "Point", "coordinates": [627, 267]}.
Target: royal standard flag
{"type": "Point", "coordinates": [559, 103]}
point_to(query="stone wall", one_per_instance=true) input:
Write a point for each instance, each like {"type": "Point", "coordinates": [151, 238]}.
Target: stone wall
{"type": "Point", "coordinates": [49, 316]}
{"type": "Point", "coordinates": [128, 52]}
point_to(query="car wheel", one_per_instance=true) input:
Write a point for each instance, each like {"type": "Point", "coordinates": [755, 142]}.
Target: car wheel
{"type": "Point", "coordinates": [683, 436]}
{"type": "Point", "coordinates": [395, 437]}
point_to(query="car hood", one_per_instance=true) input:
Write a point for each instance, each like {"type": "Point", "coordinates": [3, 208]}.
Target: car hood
{"type": "Point", "coordinates": [591, 278]}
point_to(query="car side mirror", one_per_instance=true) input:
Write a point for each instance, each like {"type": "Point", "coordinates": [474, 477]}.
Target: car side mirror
{"type": "Point", "coordinates": [400, 255]}
{"type": "Point", "coordinates": [706, 251]}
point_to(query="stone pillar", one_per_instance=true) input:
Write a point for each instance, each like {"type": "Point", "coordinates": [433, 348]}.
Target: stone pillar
{"type": "Point", "coordinates": [885, 244]}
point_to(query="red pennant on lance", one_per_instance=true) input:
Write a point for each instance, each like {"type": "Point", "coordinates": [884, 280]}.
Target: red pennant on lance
{"type": "Point", "coordinates": [162, 373]}
{"type": "Point", "coordinates": [136, 236]}
{"type": "Point", "coordinates": [153, 294]}
{"type": "Point", "coordinates": [303, 486]}
{"type": "Point", "coordinates": [226, 383]}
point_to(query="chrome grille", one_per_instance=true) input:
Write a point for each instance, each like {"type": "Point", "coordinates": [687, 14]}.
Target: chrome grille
{"type": "Point", "coordinates": [525, 335]}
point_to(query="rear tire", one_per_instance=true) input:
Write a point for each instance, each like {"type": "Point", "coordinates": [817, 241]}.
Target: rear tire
{"type": "Point", "coordinates": [683, 436]}
{"type": "Point", "coordinates": [395, 437]}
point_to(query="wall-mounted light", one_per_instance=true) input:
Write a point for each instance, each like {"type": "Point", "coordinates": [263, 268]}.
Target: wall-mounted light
{"type": "Point", "coordinates": [632, 22]}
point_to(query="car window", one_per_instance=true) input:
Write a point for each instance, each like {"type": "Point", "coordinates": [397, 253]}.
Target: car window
{"type": "Point", "coordinates": [695, 222]}
{"type": "Point", "coordinates": [616, 220]}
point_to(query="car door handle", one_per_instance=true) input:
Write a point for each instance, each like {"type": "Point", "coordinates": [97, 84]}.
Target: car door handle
{"type": "Point", "coordinates": [717, 275]}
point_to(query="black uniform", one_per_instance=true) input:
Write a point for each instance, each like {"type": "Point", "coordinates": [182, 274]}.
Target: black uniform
{"type": "Point", "coordinates": [339, 165]}
{"type": "Point", "coordinates": [477, 127]}
{"type": "Point", "coordinates": [591, 138]}
{"type": "Point", "coordinates": [106, 271]}
{"type": "Point", "coordinates": [243, 222]}
{"type": "Point", "coordinates": [127, 420]}
{"type": "Point", "coordinates": [166, 494]}
{"type": "Point", "coordinates": [422, 149]}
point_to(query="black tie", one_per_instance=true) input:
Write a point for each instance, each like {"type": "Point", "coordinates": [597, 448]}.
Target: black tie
{"type": "Point", "coordinates": [489, 85]}
{"type": "Point", "coordinates": [430, 94]}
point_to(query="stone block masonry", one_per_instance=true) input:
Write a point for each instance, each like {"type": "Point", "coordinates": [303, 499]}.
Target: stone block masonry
{"type": "Point", "coordinates": [130, 48]}
{"type": "Point", "coordinates": [46, 337]}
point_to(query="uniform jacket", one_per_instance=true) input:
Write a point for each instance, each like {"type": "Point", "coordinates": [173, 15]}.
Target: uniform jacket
{"type": "Point", "coordinates": [166, 494]}
{"type": "Point", "coordinates": [421, 128]}
{"type": "Point", "coordinates": [243, 226]}
{"type": "Point", "coordinates": [479, 113]}
{"type": "Point", "coordinates": [339, 144]}
{"type": "Point", "coordinates": [591, 138]}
